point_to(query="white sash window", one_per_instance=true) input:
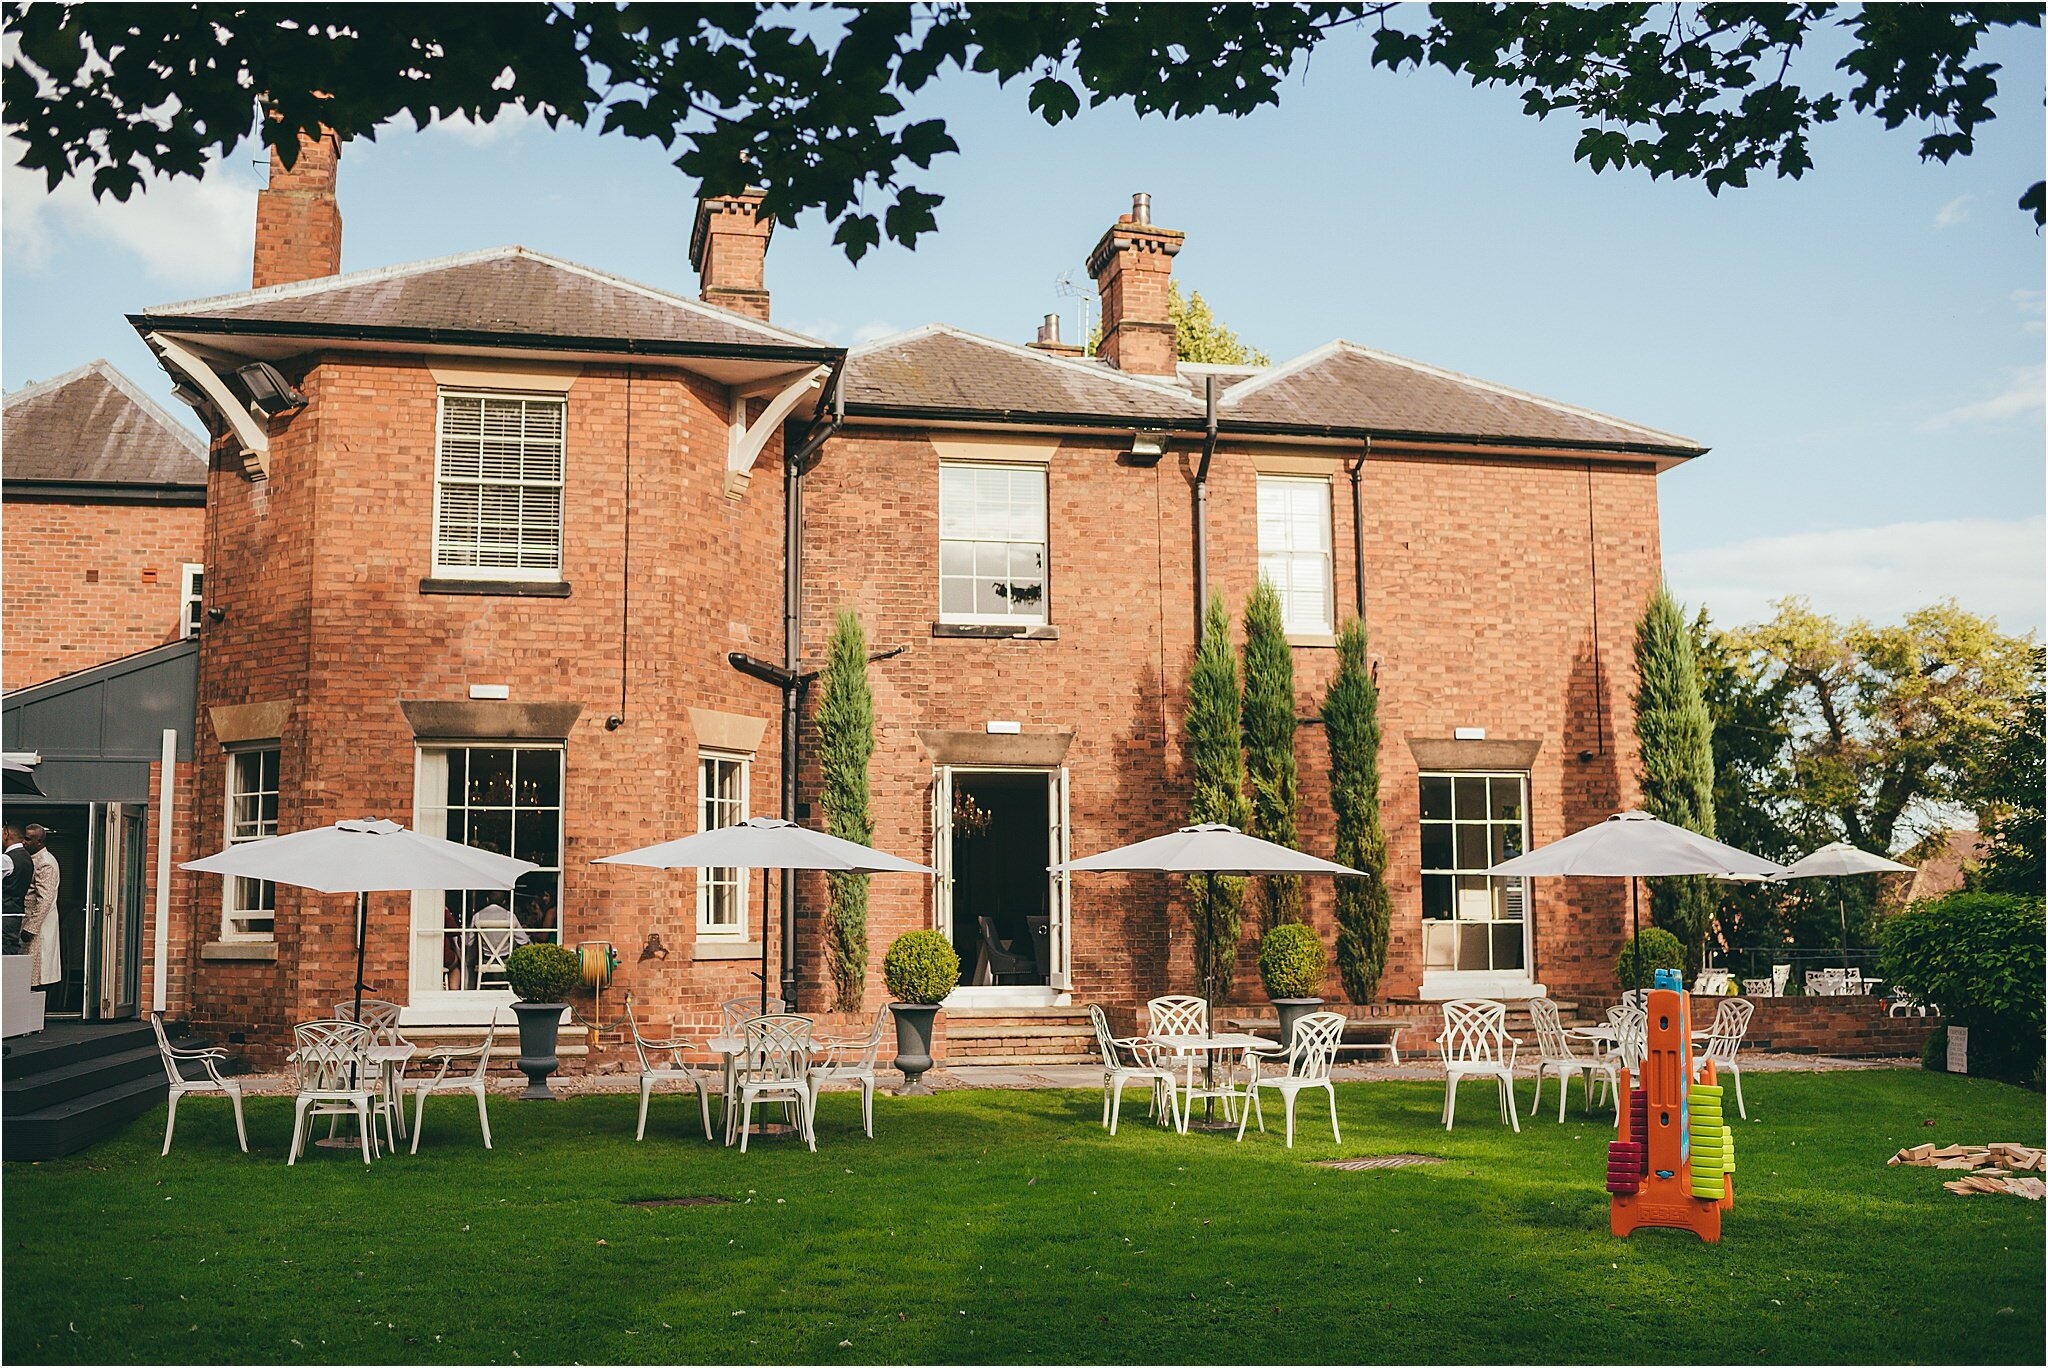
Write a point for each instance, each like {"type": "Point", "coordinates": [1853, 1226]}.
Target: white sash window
{"type": "Point", "coordinates": [721, 802]}
{"type": "Point", "coordinates": [992, 552]}
{"type": "Point", "coordinates": [250, 911]}
{"type": "Point", "coordinates": [498, 487]}
{"type": "Point", "coordinates": [1294, 549]}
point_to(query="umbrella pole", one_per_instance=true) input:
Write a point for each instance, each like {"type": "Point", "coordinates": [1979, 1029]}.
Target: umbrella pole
{"type": "Point", "coordinates": [1842, 909]}
{"type": "Point", "coordinates": [362, 934]}
{"type": "Point", "coordinates": [764, 939]}
{"type": "Point", "coordinates": [1635, 927]}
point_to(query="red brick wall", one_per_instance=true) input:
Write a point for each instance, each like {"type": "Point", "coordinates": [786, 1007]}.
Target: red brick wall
{"type": "Point", "coordinates": [1479, 600]}
{"type": "Point", "coordinates": [319, 571]}
{"type": "Point", "coordinates": [1852, 1026]}
{"type": "Point", "coordinates": [77, 584]}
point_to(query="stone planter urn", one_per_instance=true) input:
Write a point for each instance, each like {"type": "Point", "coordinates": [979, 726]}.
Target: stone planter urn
{"type": "Point", "coordinates": [914, 1045]}
{"type": "Point", "coordinates": [1292, 1010]}
{"type": "Point", "coordinates": [540, 1024]}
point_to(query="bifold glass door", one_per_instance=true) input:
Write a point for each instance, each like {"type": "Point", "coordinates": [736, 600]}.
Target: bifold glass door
{"type": "Point", "coordinates": [1472, 921]}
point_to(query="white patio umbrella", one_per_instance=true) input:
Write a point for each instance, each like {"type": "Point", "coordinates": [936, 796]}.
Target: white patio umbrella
{"type": "Point", "coordinates": [1834, 861]}
{"type": "Point", "coordinates": [765, 843]}
{"type": "Point", "coordinates": [364, 857]}
{"type": "Point", "coordinates": [1632, 845]}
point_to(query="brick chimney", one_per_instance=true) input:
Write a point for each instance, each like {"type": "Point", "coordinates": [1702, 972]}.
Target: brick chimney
{"type": "Point", "coordinates": [298, 219]}
{"type": "Point", "coordinates": [1049, 339]}
{"type": "Point", "coordinates": [729, 249]}
{"type": "Point", "coordinates": [1132, 266]}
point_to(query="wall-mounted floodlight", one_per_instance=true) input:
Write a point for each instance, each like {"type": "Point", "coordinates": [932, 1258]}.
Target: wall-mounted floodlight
{"type": "Point", "coordinates": [269, 391]}
{"type": "Point", "coordinates": [1148, 445]}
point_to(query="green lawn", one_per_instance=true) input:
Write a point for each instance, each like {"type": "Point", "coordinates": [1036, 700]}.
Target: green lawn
{"type": "Point", "coordinates": [1007, 1226]}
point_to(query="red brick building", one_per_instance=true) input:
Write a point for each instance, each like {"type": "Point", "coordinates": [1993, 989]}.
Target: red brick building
{"type": "Point", "coordinates": [104, 497]}
{"type": "Point", "coordinates": [502, 546]}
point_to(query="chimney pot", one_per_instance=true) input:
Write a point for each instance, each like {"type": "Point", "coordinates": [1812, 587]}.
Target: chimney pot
{"type": "Point", "coordinates": [1141, 208]}
{"type": "Point", "coordinates": [1049, 330]}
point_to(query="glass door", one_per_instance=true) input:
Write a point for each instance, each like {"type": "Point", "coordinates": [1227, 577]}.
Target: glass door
{"type": "Point", "coordinates": [116, 905]}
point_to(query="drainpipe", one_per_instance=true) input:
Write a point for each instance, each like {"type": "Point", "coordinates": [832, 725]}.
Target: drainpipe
{"type": "Point", "coordinates": [792, 646]}
{"type": "Point", "coordinates": [1202, 505]}
{"type": "Point", "coordinates": [1358, 528]}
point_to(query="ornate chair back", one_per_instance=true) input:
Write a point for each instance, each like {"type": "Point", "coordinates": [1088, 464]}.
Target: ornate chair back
{"type": "Point", "coordinates": [163, 1049]}
{"type": "Point", "coordinates": [1551, 1041]}
{"type": "Point", "coordinates": [1631, 1029]}
{"type": "Point", "coordinates": [329, 1056]}
{"type": "Point", "coordinates": [1315, 1045]}
{"type": "Point", "coordinates": [1731, 1023]}
{"type": "Point", "coordinates": [736, 1012]}
{"type": "Point", "coordinates": [1180, 1015]}
{"type": "Point", "coordinates": [1475, 1032]}
{"type": "Point", "coordinates": [778, 1049]}
{"type": "Point", "coordinates": [380, 1016]}
{"type": "Point", "coordinates": [1105, 1039]}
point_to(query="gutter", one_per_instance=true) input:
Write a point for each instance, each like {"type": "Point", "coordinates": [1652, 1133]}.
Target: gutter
{"type": "Point", "coordinates": [483, 337]}
{"type": "Point", "coordinates": [88, 491]}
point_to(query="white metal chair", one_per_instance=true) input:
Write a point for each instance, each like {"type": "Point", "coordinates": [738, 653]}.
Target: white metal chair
{"type": "Point", "coordinates": [1781, 979]}
{"type": "Point", "coordinates": [474, 1079]}
{"type": "Point", "coordinates": [335, 1078]}
{"type": "Point", "coordinates": [1759, 987]}
{"type": "Point", "coordinates": [1474, 1043]}
{"type": "Point", "coordinates": [497, 931]}
{"type": "Point", "coordinates": [1631, 1036]}
{"type": "Point", "coordinates": [1125, 1060]}
{"type": "Point", "coordinates": [735, 1013]}
{"type": "Point", "coordinates": [774, 1067]}
{"type": "Point", "coordinates": [661, 1061]}
{"type": "Point", "coordinates": [1555, 1055]}
{"type": "Point", "coordinates": [852, 1061]}
{"type": "Point", "coordinates": [382, 1019]}
{"type": "Point", "coordinates": [1710, 983]}
{"type": "Point", "coordinates": [212, 1084]}
{"type": "Point", "coordinates": [1731, 1023]}
{"type": "Point", "coordinates": [1307, 1062]}
{"type": "Point", "coordinates": [1185, 1015]}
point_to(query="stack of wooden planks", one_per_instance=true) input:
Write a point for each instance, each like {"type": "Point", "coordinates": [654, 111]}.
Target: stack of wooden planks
{"type": "Point", "coordinates": [1997, 1167]}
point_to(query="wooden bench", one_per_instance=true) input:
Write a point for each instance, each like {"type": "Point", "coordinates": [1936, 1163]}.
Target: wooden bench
{"type": "Point", "coordinates": [1360, 1033]}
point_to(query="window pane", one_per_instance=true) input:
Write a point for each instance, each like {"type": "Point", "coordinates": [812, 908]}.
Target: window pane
{"type": "Point", "coordinates": [1472, 847]}
{"type": "Point", "coordinates": [1471, 799]}
{"type": "Point", "coordinates": [490, 778]}
{"type": "Point", "coordinates": [540, 778]}
{"type": "Point", "coordinates": [1507, 797]}
{"type": "Point", "coordinates": [1475, 897]}
{"type": "Point", "coordinates": [491, 829]}
{"type": "Point", "coordinates": [538, 836]}
{"type": "Point", "coordinates": [1436, 895]}
{"type": "Point", "coordinates": [956, 596]}
{"type": "Point", "coordinates": [1507, 945]}
{"type": "Point", "coordinates": [1436, 796]}
{"type": "Point", "coordinates": [956, 558]}
{"type": "Point", "coordinates": [1436, 845]}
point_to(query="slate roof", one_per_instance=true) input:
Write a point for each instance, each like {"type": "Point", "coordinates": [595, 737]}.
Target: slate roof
{"type": "Point", "coordinates": [1344, 385]}
{"type": "Point", "coordinates": [505, 290]}
{"type": "Point", "coordinates": [941, 369]}
{"type": "Point", "coordinates": [92, 426]}
{"type": "Point", "coordinates": [1339, 389]}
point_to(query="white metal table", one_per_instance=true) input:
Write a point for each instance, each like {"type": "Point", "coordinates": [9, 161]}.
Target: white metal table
{"type": "Point", "coordinates": [729, 1049]}
{"type": "Point", "coordinates": [1188, 1047]}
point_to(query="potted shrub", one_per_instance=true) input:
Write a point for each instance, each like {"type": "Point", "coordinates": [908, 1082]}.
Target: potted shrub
{"type": "Point", "coordinates": [1292, 963]}
{"type": "Point", "coordinates": [541, 976]}
{"type": "Point", "coordinates": [920, 969]}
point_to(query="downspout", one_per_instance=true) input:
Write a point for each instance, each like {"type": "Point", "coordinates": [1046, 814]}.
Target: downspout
{"type": "Point", "coordinates": [1202, 505]}
{"type": "Point", "coordinates": [792, 644]}
{"type": "Point", "coordinates": [1358, 528]}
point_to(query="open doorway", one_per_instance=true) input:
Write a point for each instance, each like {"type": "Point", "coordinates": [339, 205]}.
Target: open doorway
{"type": "Point", "coordinates": [70, 841]}
{"type": "Point", "coordinates": [998, 831]}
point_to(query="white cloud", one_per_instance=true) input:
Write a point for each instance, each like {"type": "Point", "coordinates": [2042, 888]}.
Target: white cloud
{"type": "Point", "coordinates": [2023, 393]}
{"type": "Point", "coordinates": [509, 123]}
{"type": "Point", "coordinates": [2030, 306]}
{"type": "Point", "coordinates": [1955, 211]}
{"type": "Point", "coordinates": [189, 234]}
{"type": "Point", "coordinates": [841, 334]}
{"type": "Point", "coordinates": [1993, 566]}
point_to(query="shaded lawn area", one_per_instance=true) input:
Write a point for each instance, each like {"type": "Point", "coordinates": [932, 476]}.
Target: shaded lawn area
{"type": "Point", "coordinates": [1009, 1227]}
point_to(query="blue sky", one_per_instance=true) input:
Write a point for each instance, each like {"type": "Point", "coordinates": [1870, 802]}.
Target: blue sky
{"type": "Point", "coordinates": [1862, 349]}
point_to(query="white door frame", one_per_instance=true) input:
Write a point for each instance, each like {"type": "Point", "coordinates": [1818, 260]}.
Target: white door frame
{"type": "Point", "coordinates": [1056, 992]}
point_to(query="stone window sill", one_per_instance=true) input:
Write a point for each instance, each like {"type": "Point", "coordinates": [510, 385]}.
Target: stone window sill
{"type": "Point", "coordinates": [727, 950]}
{"type": "Point", "coordinates": [500, 588]}
{"type": "Point", "coordinates": [256, 952]}
{"type": "Point", "coordinates": [1319, 640]}
{"type": "Point", "coordinates": [997, 631]}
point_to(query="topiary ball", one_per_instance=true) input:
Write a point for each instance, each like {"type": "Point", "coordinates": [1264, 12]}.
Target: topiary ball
{"type": "Point", "coordinates": [543, 973]}
{"type": "Point", "coordinates": [1292, 961]}
{"type": "Point", "coordinates": [1653, 949]}
{"type": "Point", "coordinates": [921, 967]}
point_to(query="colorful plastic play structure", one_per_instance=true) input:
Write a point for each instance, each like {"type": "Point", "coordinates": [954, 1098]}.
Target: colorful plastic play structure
{"type": "Point", "coordinates": [1674, 1162]}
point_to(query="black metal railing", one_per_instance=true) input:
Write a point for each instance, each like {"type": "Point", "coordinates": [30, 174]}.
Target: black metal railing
{"type": "Point", "coordinates": [1756, 961]}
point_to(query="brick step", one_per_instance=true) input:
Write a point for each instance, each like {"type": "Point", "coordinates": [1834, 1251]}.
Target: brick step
{"type": "Point", "coordinates": [1079, 1014]}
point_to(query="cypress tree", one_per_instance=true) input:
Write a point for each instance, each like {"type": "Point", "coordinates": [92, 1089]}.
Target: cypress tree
{"type": "Point", "coordinates": [1675, 740]}
{"type": "Point", "coordinates": [1216, 771]}
{"type": "Point", "coordinates": [1269, 748]}
{"type": "Point", "coordinates": [1351, 722]}
{"type": "Point", "coordinates": [846, 742]}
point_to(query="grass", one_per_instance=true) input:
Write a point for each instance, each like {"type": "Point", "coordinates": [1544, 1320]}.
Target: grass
{"type": "Point", "coordinates": [1008, 1227]}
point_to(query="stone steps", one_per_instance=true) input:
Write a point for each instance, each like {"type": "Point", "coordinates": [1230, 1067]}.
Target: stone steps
{"type": "Point", "coordinates": [1018, 1035]}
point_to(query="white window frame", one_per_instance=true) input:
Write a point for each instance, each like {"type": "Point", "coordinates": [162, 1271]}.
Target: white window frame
{"type": "Point", "coordinates": [432, 1001]}
{"type": "Point", "coordinates": [1326, 554]}
{"type": "Point", "coordinates": [232, 911]}
{"type": "Point", "coordinates": [191, 593]}
{"type": "Point", "coordinates": [517, 574]}
{"type": "Point", "coordinates": [1515, 887]}
{"type": "Point", "coordinates": [1019, 619]}
{"type": "Point", "coordinates": [736, 879]}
